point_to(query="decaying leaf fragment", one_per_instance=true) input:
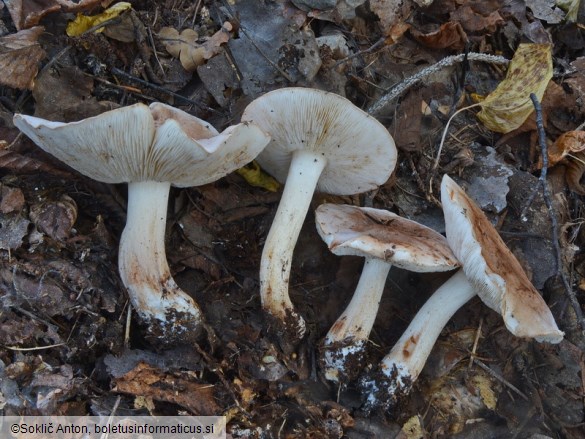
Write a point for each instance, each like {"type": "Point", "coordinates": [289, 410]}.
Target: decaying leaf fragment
{"type": "Point", "coordinates": [148, 381]}
{"type": "Point", "coordinates": [508, 106]}
{"type": "Point", "coordinates": [184, 45]}
{"type": "Point", "coordinates": [569, 149]}
{"type": "Point", "coordinates": [20, 54]}
{"type": "Point", "coordinates": [255, 176]}
{"type": "Point", "coordinates": [83, 23]}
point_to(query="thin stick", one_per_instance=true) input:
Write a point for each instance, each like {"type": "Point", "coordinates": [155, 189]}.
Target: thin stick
{"type": "Point", "coordinates": [401, 87]}
{"type": "Point", "coordinates": [475, 343]}
{"type": "Point", "coordinates": [549, 205]}
{"type": "Point", "coordinates": [119, 72]}
{"type": "Point", "coordinates": [500, 378]}
{"type": "Point", "coordinates": [38, 348]}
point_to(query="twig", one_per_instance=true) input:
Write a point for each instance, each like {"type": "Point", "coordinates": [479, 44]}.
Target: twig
{"type": "Point", "coordinates": [373, 47]}
{"type": "Point", "coordinates": [475, 343]}
{"type": "Point", "coordinates": [549, 205]}
{"type": "Point", "coordinates": [37, 348]}
{"type": "Point", "coordinates": [119, 72]}
{"type": "Point", "coordinates": [500, 378]}
{"type": "Point", "coordinates": [401, 87]}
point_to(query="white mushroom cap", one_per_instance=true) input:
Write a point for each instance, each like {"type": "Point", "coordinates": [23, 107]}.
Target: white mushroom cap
{"type": "Point", "coordinates": [360, 152]}
{"type": "Point", "coordinates": [492, 269]}
{"type": "Point", "coordinates": [140, 143]}
{"type": "Point", "coordinates": [363, 231]}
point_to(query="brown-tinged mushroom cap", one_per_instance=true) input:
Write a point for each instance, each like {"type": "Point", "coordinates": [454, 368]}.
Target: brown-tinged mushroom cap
{"type": "Point", "coordinates": [140, 143]}
{"type": "Point", "coordinates": [360, 152]}
{"type": "Point", "coordinates": [363, 231]}
{"type": "Point", "coordinates": [492, 269]}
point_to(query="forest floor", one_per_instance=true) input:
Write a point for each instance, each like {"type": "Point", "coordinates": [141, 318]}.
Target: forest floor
{"type": "Point", "coordinates": [68, 342]}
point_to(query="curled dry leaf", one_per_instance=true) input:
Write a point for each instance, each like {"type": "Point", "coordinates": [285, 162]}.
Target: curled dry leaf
{"type": "Point", "coordinates": [20, 54]}
{"type": "Point", "coordinates": [509, 105]}
{"type": "Point", "coordinates": [145, 380]}
{"type": "Point", "coordinates": [184, 45]}
{"type": "Point", "coordinates": [569, 149]}
{"type": "Point", "coordinates": [55, 218]}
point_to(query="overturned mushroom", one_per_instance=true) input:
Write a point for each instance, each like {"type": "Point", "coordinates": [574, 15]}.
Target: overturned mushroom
{"type": "Point", "coordinates": [490, 270]}
{"type": "Point", "coordinates": [150, 148]}
{"type": "Point", "coordinates": [385, 240]}
{"type": "Point", "coordinates": [320, 141]}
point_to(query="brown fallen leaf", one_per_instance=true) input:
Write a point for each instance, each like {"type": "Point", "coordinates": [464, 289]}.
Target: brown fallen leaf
{"type": "Point", "coordinates": [477, 17]}
{"type": "Point", "coordinates": [392, 15]}
{"type": "Point", "coordinates": [28, 13]}
{"type": "Point", "coordinates": [20, 54]}
{"type": "Point", "coordinates": [11, 199]}
{"type": "Point", "coordinates": [145, 380]}
{"type": "Point", "coordinates": [55, 218]}
{"type": "Point", "coordinates": [184, 45]}
{"type": "Point", "coordinates": [569, 149]}
{"type": "Point", "coordinates": [449, 36]}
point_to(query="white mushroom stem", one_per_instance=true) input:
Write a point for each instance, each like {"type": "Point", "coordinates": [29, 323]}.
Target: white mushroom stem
{"type": "Point", "coordinates": [357, 320]}
{"type": "Point", "coordinates": [143, 263]}
{"type": "Point", "coordinates": [344, 344]}
{"type": "Point", "coordinates": [407, 358]}
{"type": "Point", "coordinates": [304, 172]}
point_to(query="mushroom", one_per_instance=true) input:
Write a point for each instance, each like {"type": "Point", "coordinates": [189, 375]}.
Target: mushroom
{"type": "Point", "coordinates": [385, 240]}
{"type": "Point", "coordinates": [490, 270]}
{"type": "Point", "coordinates": [320, 141]}
{"type": "Point", "coordinates": [150, 148]}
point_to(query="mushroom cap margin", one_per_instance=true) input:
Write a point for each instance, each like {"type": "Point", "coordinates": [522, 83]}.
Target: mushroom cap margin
{"type": "Point", "coordinates": [492, 269]}
{"type": "Point", "coordinates": [368, 232]}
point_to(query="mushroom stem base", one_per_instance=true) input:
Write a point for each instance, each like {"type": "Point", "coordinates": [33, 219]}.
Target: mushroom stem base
{"type": "Point", "coordinates": [169, 314]}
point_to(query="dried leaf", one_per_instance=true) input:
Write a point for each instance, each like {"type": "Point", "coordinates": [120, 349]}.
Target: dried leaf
{"type": "Point", "coordinates": [12, 199]}
{"type": "Point", "coordinates": [570, 146]}
{"type": "Point", "coordinates": [17, 163]}
{"type": "Point", "coordinates": [28, 13]}
{"type": "Point", "coordinates": [55, 218]}
{"type": "Point", "coordinates": [255, 176]}
{"type": "Point", "coordinates": [509, 105]}
{"type": "Point", "coordinates": [392, 13]}
{"type": "Point", "coordinates": [474, 18]}
{"type": "Point", "coordinates": [571, 142]}
{"type": "Point", "coordinates": [449, 36]}
{"type": "Point", "coordinates": [571, 7]}
{"type": "Point", "coordinates": [13, 228]}
{"type": "Point", "coordinates": [184, 45]}
{"type": "Point", "coordinates": [546, 10]}
{"type": "Point", "coordinates": [151, 382]}
{"type": "Point", "coordinates": [486, 391]}
{"type": "Point", "coordinates": [83, 23]}
{"type": "Point", "coordinates": [20, 54]}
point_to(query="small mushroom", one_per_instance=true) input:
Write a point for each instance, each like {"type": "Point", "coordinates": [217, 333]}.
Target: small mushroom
{"type": "Point", "coordinates": [320, 141]}
{"type": "Point", "coordinates": [490, 270]}
{"type": "Point", "coordinates": [150, 148]}
{"type": "Point", "coordinates": [384, 239]}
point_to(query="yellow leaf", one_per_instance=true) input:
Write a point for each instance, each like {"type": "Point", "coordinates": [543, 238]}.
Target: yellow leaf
{"type": "Point", "coordinates": [487, 393]}
{"type": "Point", "coordinates": [83, 23]}
{"type": "Point", "coordinates": [509, 105]}
{"type": "Point", "coordinates": [258, 178]}
{"type": "Point", "coordinates": [412, 429]}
